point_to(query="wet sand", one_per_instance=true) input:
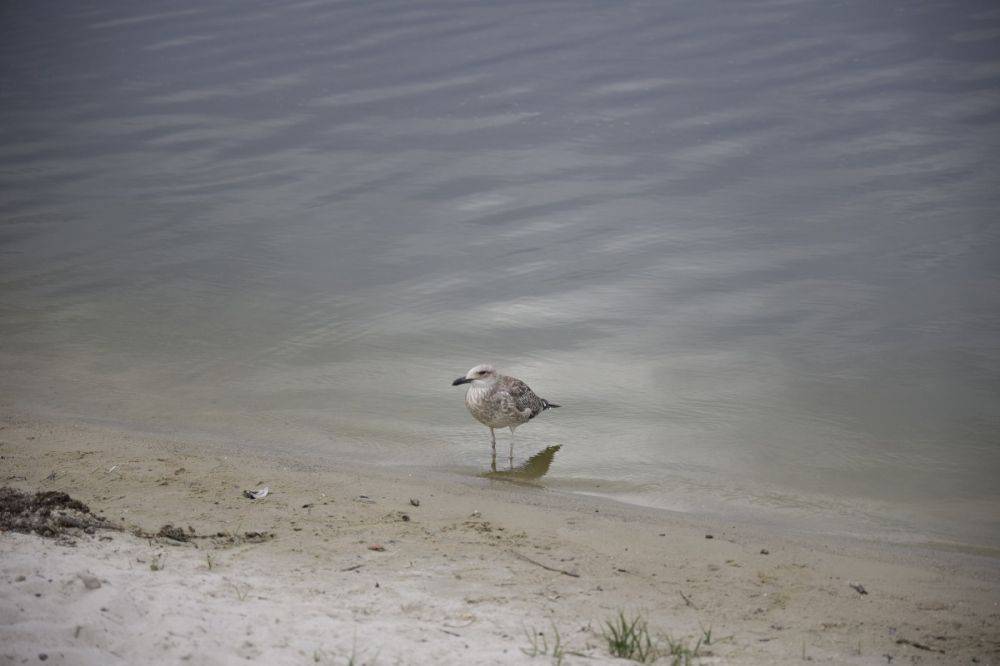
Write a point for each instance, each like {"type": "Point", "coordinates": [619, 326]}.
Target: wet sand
{"type": "Point", "coordinates": [341, 563]}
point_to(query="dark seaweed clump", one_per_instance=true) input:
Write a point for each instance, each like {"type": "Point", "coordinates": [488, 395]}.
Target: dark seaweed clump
{"type": "Point", "coordinates": [48, 513]}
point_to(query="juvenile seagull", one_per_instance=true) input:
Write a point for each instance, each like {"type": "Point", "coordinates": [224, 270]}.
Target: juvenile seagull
{"type": "Point", "coordinates": [498, 401]}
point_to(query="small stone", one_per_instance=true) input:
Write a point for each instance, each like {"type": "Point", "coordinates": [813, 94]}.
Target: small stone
{"type": "Point", "coordinates": [90, 582]}
{"type": "Point", "coordinates": [709, 536]}
{"type": "Point", "coordinates": [414, 502]}
{"type": "Point", "coordinates": [42, 656]}
{"type": "Point", "coordinates": [19, 579]}
{"type": "Point", "coordinates": [376, 547]}
{"type": "Point", "coordinates": [765, 551]}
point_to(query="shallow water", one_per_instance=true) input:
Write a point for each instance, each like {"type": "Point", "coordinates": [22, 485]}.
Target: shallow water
{"type": "Point", "coordinates": [752, 248]}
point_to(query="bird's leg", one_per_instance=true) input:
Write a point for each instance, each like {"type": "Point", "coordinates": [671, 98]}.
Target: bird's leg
{"type": "Point", "coordinates": [493, 442]}
{"type": "Point", "coordinates": [512, 447]}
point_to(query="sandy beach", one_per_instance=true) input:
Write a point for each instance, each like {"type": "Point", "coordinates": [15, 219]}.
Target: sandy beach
{"type": "Point", "coordinates": [357, 564]}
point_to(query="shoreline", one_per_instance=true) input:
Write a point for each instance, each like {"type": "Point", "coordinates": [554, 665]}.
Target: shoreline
{"type": "Point", "coordinates": [957, 522]}
{"type": "Point", "coordinates": [865, 526]}
{"type": "Point", "coordinates": [479, 558]}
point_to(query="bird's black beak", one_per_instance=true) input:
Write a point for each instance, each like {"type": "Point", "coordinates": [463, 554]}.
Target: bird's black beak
{"type": "Point", "coordinates": [460, 380]}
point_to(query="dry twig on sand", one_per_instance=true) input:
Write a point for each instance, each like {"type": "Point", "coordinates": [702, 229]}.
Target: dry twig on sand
{"type": "Point", "coordinates": [545, 566]}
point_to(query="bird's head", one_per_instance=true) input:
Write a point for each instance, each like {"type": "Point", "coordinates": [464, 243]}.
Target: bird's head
{"type": "Point", "coordinates": [481, 375]}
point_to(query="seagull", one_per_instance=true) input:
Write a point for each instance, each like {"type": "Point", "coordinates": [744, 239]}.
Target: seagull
{"type": "Point", "coordinates": [498, 401]}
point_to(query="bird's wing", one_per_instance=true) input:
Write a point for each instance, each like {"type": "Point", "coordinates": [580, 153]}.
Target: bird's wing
{"type": "Point", "coordinates": [524, 398]}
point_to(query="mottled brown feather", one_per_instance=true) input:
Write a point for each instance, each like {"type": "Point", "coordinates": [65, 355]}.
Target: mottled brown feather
{"type": "Point", "coordinates": [524, 397]}
{"type": "Point", "coordinates": [507, 403]}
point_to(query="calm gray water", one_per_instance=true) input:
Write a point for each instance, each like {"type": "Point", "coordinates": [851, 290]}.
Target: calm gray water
{"type": "Point", "coordinates": [752, 247]}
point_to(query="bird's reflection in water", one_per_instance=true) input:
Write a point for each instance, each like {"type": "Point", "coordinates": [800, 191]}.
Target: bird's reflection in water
{"type": "Point", "coordinates": [533, 468]}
